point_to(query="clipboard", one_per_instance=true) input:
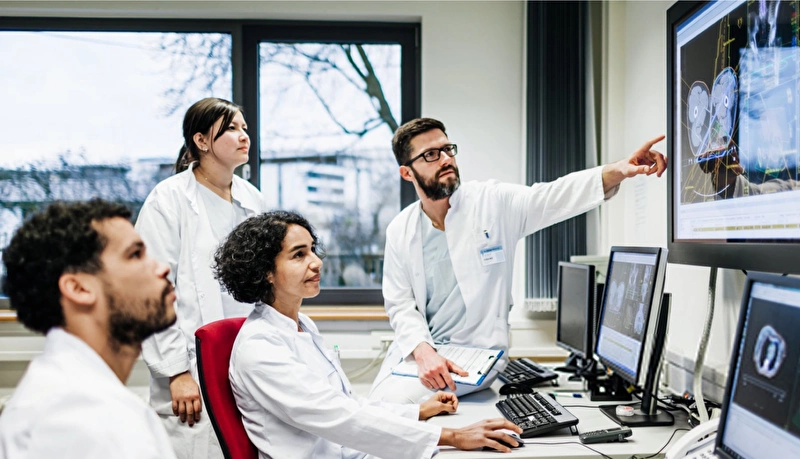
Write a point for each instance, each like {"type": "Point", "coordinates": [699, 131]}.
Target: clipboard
{"type": "Point", "coordinates": [478, 362]}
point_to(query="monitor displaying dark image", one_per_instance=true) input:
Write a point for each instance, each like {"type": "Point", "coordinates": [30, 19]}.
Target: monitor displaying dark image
{"type": "Point", "coordinates": [734, 134]}
{"type": "Point", "coordinates": [575, 310]}
{"type": "Point", "coordinates": [761, 411]}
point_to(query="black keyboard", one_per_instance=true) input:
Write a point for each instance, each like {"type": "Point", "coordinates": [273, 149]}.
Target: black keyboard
{"type": "Point", "coordinates": [526, 372]}
{"type": "Point", "coordinates": [535, 413]}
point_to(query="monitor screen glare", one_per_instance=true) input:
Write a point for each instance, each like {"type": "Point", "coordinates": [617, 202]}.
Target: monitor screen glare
{"type": "Point", "coordinates": [626, 311]}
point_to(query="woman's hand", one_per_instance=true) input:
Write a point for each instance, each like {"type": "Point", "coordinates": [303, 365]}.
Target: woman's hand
{"type": "Point", "coordinates": [185, 398]}
{"type": "Point", "coordinates": [441, 402]}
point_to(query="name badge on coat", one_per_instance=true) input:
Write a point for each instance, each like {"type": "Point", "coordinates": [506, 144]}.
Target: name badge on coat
{"type": "Point", "coordinates": [492, 255]}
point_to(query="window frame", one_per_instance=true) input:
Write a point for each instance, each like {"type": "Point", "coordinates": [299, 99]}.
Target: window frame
{"type": "Point", "coordinates": [245, 37]}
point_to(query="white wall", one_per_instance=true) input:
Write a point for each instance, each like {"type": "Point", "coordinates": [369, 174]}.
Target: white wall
{"type": "Point", "coordinates": [636, 110]}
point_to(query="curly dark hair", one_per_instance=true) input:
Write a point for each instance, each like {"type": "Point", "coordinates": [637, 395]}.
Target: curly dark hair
{"type": "Point", "coordinates": [60, 239]}
{"type": "Point", "coordinates": [401, 142]}
{"type": "Point", "coordinates": [247, 255]}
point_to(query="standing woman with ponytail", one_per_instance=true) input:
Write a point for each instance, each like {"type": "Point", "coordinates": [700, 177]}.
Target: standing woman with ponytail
{"type": "Point", "coordinates": [182, 222]}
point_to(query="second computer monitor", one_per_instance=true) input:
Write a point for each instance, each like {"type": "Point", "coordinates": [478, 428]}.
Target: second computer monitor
{"type": "Point", "coordinates": [632, 327]}
{"type": "Point", "coordinates": [575, 311]}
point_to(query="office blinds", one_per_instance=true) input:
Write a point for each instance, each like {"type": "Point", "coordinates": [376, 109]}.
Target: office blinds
{"type": "Point", "coordinates": [556, 127]}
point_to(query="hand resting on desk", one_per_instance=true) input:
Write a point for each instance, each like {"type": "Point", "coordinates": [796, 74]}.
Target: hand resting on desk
{"type": "Point", "coordinates": [441, 402]}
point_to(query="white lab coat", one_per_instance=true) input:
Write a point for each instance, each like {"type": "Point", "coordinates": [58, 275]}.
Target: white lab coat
{"type": "Point", "coordinates": [482, 215]}
{"type": "Point", "coordinates": [175, 227]}
{"type": "Point", "coordinates": [297, 403]}
{"type": "Point", "coordinates": [71, 405]}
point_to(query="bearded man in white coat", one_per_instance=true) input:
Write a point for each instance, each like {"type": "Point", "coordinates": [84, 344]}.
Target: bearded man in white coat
{"type": "Point", "coordinates": [80, 274]}
{"type": "Point", "coordinates": [449, 256]}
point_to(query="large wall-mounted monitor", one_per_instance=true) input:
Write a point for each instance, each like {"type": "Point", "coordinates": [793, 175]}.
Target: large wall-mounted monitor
{"type": "Point", "coordinates": [631, 333]}
{"type": "Point", "coordinates": [733, 89]}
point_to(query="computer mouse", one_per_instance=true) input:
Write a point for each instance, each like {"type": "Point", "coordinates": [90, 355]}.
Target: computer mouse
{"type": "Point", "coordinates": [520, 443]}
{"type": "Point", "coordinates": [513, 388]}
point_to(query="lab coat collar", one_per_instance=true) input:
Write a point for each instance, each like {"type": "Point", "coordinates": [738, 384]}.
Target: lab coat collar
{"type": "Point", "coordinates": [238, 194]}
{"type": "Point", "coordinates": [413, 221]}
{"type": "Point", "coordinates": [59, 341]}
{"type": "Point", "coordinates": [274, 317]}
{"type": "Point", "coordinates": [190, 189]}
{"type": "Point", "coordinates": [246, 200]}
{"type": "Point", "coordinates": [455, 198]}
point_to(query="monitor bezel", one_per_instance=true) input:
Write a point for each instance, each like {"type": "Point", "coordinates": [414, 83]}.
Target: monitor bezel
{"type": "Point", "coordinates": [652, 317]}
{"type": "Point", "coordinates": [752, 278]}
{"type": "Point", "coordinates": [588, 336]}
{"type": "Point", "coordinates": [772, 256]}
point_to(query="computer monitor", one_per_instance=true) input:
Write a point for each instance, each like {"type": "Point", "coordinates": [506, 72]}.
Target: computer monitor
{"type": "Point", "coordinates": [733, 134]}
{"type": "Point", "coordinates": [761, 408]}
{"type": "Point", "coordinates": [632, 328]}
{"type": "Point", "coordinates": [575, 315]}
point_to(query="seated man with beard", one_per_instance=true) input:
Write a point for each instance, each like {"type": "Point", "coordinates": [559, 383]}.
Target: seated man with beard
{"type": "Point", "coordinates": [80, 274]}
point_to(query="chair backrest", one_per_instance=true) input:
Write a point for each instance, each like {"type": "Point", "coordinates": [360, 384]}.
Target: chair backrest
{"type": "Point", "coordinates": [214, 346]}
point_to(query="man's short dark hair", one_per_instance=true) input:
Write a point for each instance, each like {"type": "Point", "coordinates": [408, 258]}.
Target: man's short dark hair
{"type": "Point", "coordinates": [247, 255]}
{"type": "Point", "coordinates": [55, 241]}
{"type": "Point", "coordinates": [401, 142]}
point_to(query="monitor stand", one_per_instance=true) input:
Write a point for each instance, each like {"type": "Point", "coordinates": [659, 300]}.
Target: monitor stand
{"type": "Point", "coordinates": [640, 417]}
{"type": "Point", "coordinates": [573, 365]}
{"type": "Point", "coordinates": [608, 388]}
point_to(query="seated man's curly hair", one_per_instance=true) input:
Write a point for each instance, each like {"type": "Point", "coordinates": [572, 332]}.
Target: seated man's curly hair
{"type": "Point", "coordinates": [60, 239]}
{"type": "Point", "coordinates": [246, 256]}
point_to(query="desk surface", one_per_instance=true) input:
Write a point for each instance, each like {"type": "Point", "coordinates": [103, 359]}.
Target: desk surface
{"type": "Point", "coordinates": [645, 441]}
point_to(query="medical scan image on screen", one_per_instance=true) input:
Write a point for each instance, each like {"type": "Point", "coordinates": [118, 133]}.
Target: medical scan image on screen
{"type": "Point", "coordinates": [629, 291]}
{"type": "Point", "coordinates": [737, 126]}
{"type": "Point", "coordinates": [765, 394]}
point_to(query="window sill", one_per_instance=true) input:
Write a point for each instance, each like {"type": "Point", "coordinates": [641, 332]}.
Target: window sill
{"type": "Point", "coordinates": [351, 313]}
{"type": "Point", "coordinates": [8, 315]}
{"type": "Point", "coordinates": [316, 313]}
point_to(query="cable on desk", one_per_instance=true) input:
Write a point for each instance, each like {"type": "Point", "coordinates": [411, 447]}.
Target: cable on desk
{"type": "Point", "coordinates": [662, 448]}
{"type": "Point", "coordinates": [568, 443]}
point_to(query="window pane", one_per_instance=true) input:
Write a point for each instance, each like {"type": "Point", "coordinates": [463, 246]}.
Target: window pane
{"type": "Point", "coordinates": [327, 116]}
{"type": "Point", "coordinates": [97, 114]}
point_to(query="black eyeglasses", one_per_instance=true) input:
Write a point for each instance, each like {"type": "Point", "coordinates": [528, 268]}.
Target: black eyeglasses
{"type": "Point", "coordinates": [434, 154]}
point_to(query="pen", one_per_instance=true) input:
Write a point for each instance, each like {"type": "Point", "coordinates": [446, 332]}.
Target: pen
{"type": "Point", "coordinates": [564, 394]}
{"type": "Point", "coordinates": [486, 233]}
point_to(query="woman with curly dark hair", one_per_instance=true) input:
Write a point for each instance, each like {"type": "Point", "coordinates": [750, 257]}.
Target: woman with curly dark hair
{"type": "Point", "coordinates": [294, 397]}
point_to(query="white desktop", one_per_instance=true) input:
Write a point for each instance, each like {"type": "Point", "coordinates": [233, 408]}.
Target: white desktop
{"type": "Point", "coordinates": [562, 443]}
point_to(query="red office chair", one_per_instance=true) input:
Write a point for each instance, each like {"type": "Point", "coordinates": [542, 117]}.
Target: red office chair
{"type": "Point", "coordinates": [214, 345]}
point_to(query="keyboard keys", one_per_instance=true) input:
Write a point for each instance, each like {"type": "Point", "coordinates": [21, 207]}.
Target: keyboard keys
{"type": "Point", "coordinates": [526, 371]}
{"type": "Point", "coordinates": [535, 413]}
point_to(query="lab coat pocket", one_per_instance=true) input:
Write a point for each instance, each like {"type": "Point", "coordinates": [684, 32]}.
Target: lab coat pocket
{"type": "Point", "coordinates": [486, 235]}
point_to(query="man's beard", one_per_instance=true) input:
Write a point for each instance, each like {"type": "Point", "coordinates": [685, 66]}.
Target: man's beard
{"type": "Point", "coordinates": [126, 329]}
{"type": "Point", "coordinates": [436, 190]}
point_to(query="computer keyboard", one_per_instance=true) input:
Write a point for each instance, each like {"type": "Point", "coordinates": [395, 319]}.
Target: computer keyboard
{"type": "Point", "coordinates": [535, 413]}
{"type": "Point", "coordinates": [526, 372]}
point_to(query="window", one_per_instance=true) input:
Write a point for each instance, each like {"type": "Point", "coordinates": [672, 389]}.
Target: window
{"type": "Point", "coordinates": [97, 106]}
